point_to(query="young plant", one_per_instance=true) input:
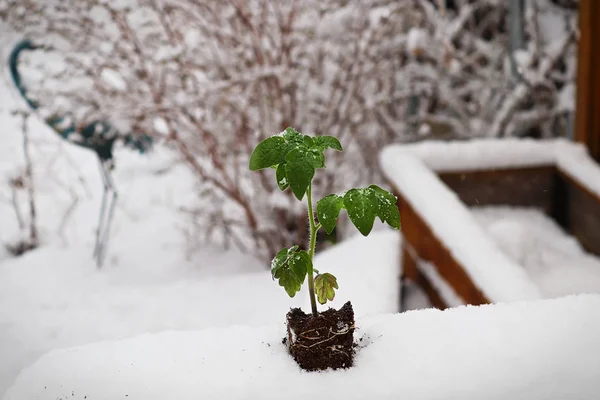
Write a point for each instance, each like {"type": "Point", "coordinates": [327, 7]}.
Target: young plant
{"type": "Point", "coordinates": [295, 158]}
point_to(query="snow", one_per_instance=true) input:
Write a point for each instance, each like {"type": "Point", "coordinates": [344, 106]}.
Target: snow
{"type": "Point", "coordinates": [416, 40]}
{"type": "Point", "coordinates": [113, 79]}
{"type": "Point", "coordinates": [160, 125]}
{"type": "Point", "coordinates": [54, 297]}
{"type": "Point", "coordinates": [500, 278]}
{"type": "Point", "coordinates": [443, 156]}
{"type": "Point", "coordinates": [552, 24]}
{"type": "Point", "coordinates": [507, 260]}
{"type": "Point", "coordinates": [367, 271]}
{"type": "Point", "coordinates": [554, 260]}
{"type": "Point", "coordinates": [566, 97]}
{"type": "Point", "coordinates": [523, 58]}
{"type": "Point", "coordinates": [279, 200]}
{"type": "Point", "coordinates": [71, 303]}
{"type": "Point", "coordinates": [192, 38]}
{"type": "Point", "coordinates": [413, 297]}
{"type": "Point", "coordinates": [580, 167]}
{"type": "Point", "coordinates": [446, 292]}
{"type": "Point", "coordinates": [334, 24]}
{"type": "Point", "coordinates": [529, 350]}
{"type": "Point", "coordinates": [455, 68]}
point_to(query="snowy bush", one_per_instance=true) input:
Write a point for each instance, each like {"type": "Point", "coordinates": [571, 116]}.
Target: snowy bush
{"type": "Point", "coordinates": [214, 78]}
{"type": "Point", "coordinates": [23, 199]}
{"type": "Point", "coordinates": [460, 69]}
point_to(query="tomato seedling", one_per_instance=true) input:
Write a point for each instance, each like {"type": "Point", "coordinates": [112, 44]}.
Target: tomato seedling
{"type": "Point", "coordinates": [295, 158]}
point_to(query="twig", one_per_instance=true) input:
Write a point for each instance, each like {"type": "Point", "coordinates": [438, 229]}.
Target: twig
{"type": "Point", "coordinates": [66, 216]}
{"type": "Point", "coordinates": [30, 185]}
{"type": "Point", "coordinates": [15, 204]}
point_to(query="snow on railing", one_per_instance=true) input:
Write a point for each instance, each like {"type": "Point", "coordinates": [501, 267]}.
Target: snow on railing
{"type": "Point", "coordinates": [528, 350]}
{"type": "Point", "coordinates": [411, 169]}
{"type": "Point", "coordinates": [442, 156]}
{"type": "Point", "coordinates": [491, 270]}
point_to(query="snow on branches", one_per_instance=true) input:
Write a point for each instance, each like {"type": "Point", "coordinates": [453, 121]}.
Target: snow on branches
{"type": "Point", "coordinates": [212, 78]}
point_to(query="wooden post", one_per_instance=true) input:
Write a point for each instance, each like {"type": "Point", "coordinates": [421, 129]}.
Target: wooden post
{"type": "Point", "coordinates": [587, 112]}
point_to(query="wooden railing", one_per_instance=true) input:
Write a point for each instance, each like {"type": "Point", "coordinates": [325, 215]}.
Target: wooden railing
{"type": "Point", "coordinates": [587, 112]}
{"type": "Point", "coordinates": [574, 206]}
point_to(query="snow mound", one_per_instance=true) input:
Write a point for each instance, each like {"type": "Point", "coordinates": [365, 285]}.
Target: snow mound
{"type": "Point", "coordinates": [531, 350]}
{"type": "Point", "coordinates": [71, 303]}
{"type": "Point", "coordinates": [367, 270]}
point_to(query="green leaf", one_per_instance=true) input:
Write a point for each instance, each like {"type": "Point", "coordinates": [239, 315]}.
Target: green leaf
{"type": "Point", "coordinates": [328, 142]}
{"type": "Point", "coordinates": [318, 158]}
{"type": "Point", "coordinates": [328, 211]}
{"type": "Point", "coordinates": [361, 205]}
{"type": "Point", "coordinates": [387, 209]}
{"type": "Point", "coordinates": [299, 170]}
{"type": "Point", "coordinates": [308, 141]}
{"type": "Point", "coordinates": [281, 176]}
{"type": "Point", "coordinates": [292, 136]}
{"type": "Point", "coordinates": [324, 287]}
{"type": "Point", "coordinates": [290, 267]}
{"type": "Point", "coordinates": [268, 153]}
{"type": "Point", "coordinates": [280, 258]}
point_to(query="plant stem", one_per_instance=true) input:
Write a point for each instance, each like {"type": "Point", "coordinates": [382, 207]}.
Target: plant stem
{"type": "Point", "coordinates": [311, 251]}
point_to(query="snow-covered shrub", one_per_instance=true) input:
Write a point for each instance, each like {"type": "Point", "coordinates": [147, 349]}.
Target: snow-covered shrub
{"type": "Point", "coordinates": [22, 185]}
{"type": "Point", "coordinates": [213, 78]}
{"type": "Point", "coordinates": [460, 68]}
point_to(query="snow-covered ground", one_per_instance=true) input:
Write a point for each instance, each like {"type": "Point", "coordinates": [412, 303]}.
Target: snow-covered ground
{"type": "Point", "coordinates": [55, 297]}
{"type": "Point", "coordinates": [554, 260]}
{"type": "Point", "coordinates": [540, 350]}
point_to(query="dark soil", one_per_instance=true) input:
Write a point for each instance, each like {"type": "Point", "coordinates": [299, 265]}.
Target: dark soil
{"type": "Point", "coordinates": [324, 341]}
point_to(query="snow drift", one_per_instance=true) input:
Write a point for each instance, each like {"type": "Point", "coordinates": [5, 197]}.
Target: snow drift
{"type": "Point", "coordinates": [545, 349]}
